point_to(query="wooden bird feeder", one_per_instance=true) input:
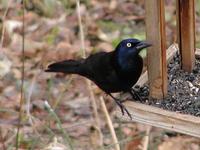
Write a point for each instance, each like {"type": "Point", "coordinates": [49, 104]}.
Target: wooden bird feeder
{"type": "Point", "coordinates": [158, 57]}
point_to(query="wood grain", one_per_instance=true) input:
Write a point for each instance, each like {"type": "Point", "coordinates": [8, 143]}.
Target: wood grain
{"type": "Point", "coordinates": [157, 117]}
{"type": "Point", "coordinates": [155, 32]}
{"type": "Point", "coordinates": [170, 53]}
{"type": "Point", "coordinates": [186, 32]}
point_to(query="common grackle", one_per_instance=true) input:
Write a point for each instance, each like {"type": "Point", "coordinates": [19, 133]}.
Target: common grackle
{"type": "Point", "coordinates": [115, 71]}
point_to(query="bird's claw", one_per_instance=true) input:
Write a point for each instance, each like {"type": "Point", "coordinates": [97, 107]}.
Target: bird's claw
{"type": "Point", "coordinates": [121, 106]}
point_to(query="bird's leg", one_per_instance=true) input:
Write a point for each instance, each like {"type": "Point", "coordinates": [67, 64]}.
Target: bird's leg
{"type": "Point", "coordinates": [122, 107]}
{"type": "Point", "coordinates": [134, 94]}
{"type": "Point", "coordinates": [118, 103]}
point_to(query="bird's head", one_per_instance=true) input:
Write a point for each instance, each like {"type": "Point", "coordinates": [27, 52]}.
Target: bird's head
{"type": "Point", "coordinates": [128, 50]}
{"type": "Point", "coordinates": [131, 46]}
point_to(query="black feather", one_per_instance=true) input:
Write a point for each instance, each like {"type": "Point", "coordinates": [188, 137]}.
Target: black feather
{"type": "Point", "coordinates": [115, 71]}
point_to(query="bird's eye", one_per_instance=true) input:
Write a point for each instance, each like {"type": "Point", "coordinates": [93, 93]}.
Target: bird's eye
{"type": "Point", "coordinates": [128, 44]}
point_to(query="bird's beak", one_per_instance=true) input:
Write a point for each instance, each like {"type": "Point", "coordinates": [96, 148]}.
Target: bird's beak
{"type": "Point", "coordinates": [142, 45]}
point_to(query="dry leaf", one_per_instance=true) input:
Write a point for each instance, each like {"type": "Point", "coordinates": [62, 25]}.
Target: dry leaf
{"type": "Point", "coordinates": [180, 143]}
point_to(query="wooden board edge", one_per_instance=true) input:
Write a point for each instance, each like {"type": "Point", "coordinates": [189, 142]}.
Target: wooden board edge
{"type": "Point", "coordinates": [165, 119]}
{"type": "Point", "coordinates": [167, 113]}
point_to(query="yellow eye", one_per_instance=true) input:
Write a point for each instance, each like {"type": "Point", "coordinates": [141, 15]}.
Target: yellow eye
{"type": "Point", "coordinates": [128, 44]}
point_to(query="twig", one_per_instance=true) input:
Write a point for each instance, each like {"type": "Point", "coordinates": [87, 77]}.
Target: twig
{"type": "Point", "coordinates": [9, 140]}
{"type": "Point", "coordinates": [81, 29]}
{"type": "Point", "coordinates": [28, 101]}
{"type": "Point", "coordinates": [1, 46]}
{"type": "Point", "coordinates": [65, 134]}
{"type": "Point", "coordinates": [94, 105]}
{"type": "Point", "coordinates": [146, 138]}
{"type": "Point", "coordinates": [113, 4]}
{"type": "Point", "coordinates": [110, 125]}
{"type": "Point", "coordinates": [30, 92]}
{"type": "Point", "coordinates": [2, 139]}
{"type": "Point", "coordinates": [3, 27]}
{"type": "Point", "coordinates": [22, 79]}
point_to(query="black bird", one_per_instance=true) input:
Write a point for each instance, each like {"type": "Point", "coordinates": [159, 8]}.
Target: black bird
{"type": "Point", "coordinates": [115, 71]}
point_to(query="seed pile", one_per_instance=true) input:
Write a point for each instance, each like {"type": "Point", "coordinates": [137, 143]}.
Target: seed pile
{"type": "Point", "coordinates": [183, 90]}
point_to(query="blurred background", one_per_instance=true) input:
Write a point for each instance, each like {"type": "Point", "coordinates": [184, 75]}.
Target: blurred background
{"type": "Point", "coordinates": [52, 33]}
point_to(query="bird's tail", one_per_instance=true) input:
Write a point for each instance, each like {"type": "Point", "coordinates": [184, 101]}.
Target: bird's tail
{"type": "Point", "coordinates": [67, 66]}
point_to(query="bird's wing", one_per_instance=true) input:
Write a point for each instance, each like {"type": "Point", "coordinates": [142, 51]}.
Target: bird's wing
{"type": "Point", "coordinates": [100, 69]}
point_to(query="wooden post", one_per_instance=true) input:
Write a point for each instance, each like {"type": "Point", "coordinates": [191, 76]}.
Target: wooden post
{"type": "Point", "coordinates": [155, 32]}
{"type": "Point", "coordinates": [186, 33]}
